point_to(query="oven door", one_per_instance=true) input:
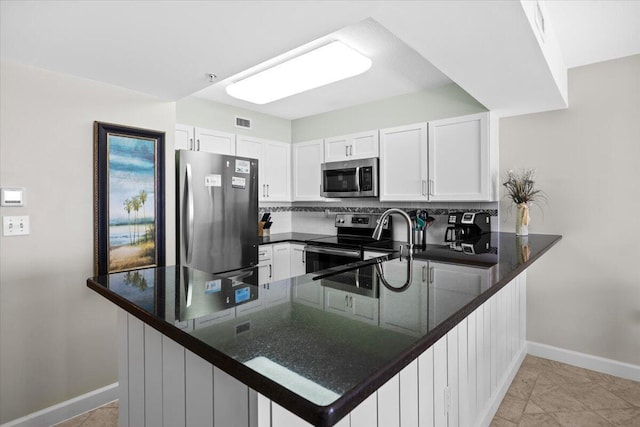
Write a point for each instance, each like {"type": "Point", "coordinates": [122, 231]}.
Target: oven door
{"type": "Point", "coordinates": [320, 258]}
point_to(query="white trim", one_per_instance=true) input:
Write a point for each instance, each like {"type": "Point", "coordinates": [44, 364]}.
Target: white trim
{"type": "Point", "coordinates": [586, 361]}
{"type": "Point", "coordinates": [491, 411]}
{"type": "Point", "coordinates": [66, 410]}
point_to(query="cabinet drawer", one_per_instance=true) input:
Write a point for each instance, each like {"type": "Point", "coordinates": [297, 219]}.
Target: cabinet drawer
{"type": "Point", "coordinates": [265, 252]}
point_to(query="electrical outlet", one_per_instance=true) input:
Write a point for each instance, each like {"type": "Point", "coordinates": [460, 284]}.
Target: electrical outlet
{"type": "Point", "coordinates": [15, 225]}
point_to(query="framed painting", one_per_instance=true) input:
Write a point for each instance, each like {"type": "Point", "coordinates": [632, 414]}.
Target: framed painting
{"type": "Point", "coordinates": [129, 213]}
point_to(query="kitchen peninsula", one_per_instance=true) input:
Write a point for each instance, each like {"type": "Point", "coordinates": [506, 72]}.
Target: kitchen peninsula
{"type": "Point", "coordinates": [218, 350]}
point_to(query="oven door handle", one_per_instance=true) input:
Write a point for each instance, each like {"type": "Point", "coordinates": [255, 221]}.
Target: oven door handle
{"type": "Point", "coordinates": [327, 251]}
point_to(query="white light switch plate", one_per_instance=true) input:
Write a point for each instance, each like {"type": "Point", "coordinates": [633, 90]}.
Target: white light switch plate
{"type": "Point", "coordinates": [15, 225]}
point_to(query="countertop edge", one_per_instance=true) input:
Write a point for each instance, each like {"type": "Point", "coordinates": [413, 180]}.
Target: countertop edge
{"type": "Point", "coordinates": [317, 415]}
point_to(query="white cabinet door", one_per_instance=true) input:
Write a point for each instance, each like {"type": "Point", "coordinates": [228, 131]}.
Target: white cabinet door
{"type": "Point", "coordinates": [403, 163]}
{"type": "Point", "coordinates": [213, 141]}
{"type": "Point", "coordinates": [265, 266]}
{"type": "Point", "coordinates": [307, 158]}
{"type": "Point", "coordinates": [184, 137]}
{"type": "Point", "coordinates": [360, 307]}
{"type": "Point", "coordinates": [297, 261]}
{"type": "Point", "coordinates": [277, 293]}
{"type": "Point", "coordinates": [459, 158]}
{"type": "Point", "coordinates": [362, 145]}
{"type": "Point", "coordinates": [405, 312]}
{"type": "Point", "coordinates": [249, 147]}
{"type": "Point", "coordinates": [336, 301]}
{"type": "Point", "coordinates": [277, 171]}
{"type": "Point", "coordinates": [336, 149]}
{"type": "Point", "coordinates": [310, 293]}
{"type": "Point", "coordinates": [281, 261]}
{"type": "Point", "coordinates": [365, 309]}
{"type": "Point", "coordinates": [274, 166]}
{"type": "Point", "coordinates": [449, 283]}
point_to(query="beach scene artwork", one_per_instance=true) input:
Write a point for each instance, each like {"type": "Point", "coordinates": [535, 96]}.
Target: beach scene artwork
{"type": "Point", "coordinates": [132, 216]}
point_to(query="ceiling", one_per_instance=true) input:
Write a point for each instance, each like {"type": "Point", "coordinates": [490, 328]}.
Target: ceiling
{"type": "Point", "coordinates": [167, 48]}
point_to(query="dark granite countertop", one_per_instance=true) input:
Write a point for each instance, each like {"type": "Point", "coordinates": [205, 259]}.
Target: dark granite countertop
{"type": "Point", "coordinates": [289, 237]}
{"type": "Point", "coordinates": [287, 343]}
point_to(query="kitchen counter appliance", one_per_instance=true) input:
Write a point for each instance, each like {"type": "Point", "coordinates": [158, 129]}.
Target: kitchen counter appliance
{"type": "Point", "coordinates": [351, 178]}
{"type": "Point", "coordinates": [469, 232]}
{"type": "Point", "coordinates": [216, 210]}
{"type": "Point", "coordinates": [353, 233]}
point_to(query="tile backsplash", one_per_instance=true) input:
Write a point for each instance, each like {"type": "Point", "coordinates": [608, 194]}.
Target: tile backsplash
{"type": "Point", "coordinates": [319, 217]}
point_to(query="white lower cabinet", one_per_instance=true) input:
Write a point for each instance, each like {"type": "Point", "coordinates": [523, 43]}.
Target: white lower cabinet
{"type": "Point", "coordinates": [281, 261]}
{"type": "Point", "coordinates": [298, 262]}
{"type": "Point", "coordinates": [351, 305]}
{"type": "Point", "coordinates": [265, 264]}
{"type": "Point", "coordinates": [311, 294]}
{"type": "Point", "coordinates": [457, 382]}
{"type": "Point", "coordinates": [407, 311]}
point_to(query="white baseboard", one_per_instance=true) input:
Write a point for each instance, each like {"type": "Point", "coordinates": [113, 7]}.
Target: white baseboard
{"type": "Point", "coordinates": [68, 409]}
{"type": "Point", "coordinates": [586, 361]}
{"type": "Point", "coordinates": [487, 417]}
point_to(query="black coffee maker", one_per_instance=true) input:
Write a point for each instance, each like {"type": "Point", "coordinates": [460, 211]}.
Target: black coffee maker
{"type": "Point", "coordinates": [467, 226]}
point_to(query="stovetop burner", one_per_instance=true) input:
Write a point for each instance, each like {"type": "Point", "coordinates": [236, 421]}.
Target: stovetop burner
{"type": "Point", "coordinates": [354, 231]}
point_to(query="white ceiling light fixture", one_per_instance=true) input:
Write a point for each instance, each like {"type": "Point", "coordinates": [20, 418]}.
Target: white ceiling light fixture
{"type": "Point", "coordinates": [327, 64]}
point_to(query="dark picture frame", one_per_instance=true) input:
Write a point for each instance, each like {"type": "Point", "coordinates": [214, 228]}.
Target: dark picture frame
{"type": "Point", "coordinates": [129, 198]}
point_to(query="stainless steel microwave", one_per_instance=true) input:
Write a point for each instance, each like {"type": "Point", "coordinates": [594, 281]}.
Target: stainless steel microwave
{"type": "Point", "coordinates": [350, 178]}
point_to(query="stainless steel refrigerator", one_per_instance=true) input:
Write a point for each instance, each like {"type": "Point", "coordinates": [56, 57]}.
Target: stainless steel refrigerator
{"type": "Point", "coordinates": [217, 211]}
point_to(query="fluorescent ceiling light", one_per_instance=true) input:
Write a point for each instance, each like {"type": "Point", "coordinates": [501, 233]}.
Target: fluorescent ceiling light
{"type": "Point", "coordinates": [327, 64]}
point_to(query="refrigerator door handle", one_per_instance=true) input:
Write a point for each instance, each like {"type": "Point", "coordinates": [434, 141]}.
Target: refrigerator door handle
{"type": "Point", "coordinates": [189, 216]}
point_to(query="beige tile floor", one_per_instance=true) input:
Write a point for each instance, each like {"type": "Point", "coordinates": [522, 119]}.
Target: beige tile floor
{"type": "Point", "coordinates": [543, 393]}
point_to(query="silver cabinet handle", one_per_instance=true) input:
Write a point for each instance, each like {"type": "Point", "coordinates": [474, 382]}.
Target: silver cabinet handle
{"type": "Point", "coordinates": [267, 190]}
{"type": "Point", "coordinates": [424, 273]}
{"type": "Point", "coordinates": [270, 271]}
{"type": "Point", "coordinates": [351, 301]}
{"type": "Point", "coordinates": [351, 150]}
{"type": "Point", "coordinates": [424, 187]}
{"type": "Point", "coordinates": [198, 144]}
{"type": "Point", "coordinates": [431, 273]}
{"type": "Point", "coordinates": [190, 143]}
{"type": "Point", "coordinates": [189, 223]}
{"type": "Point", "coordinates": [346, 150]}
{"type": "Point", "coordinates": [346, 300]}
{"type": "Point", "coordinates": [432, 186]}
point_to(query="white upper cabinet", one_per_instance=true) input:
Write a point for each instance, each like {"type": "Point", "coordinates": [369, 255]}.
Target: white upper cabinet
{"type": "Point", "coordinates": [459, 158]}
{"type": "Point", "coordinates": [443, 160]}
{"type": "Point", "coordinates": [362, 145]}
{"type": "Point", "coordinates": [403, 163]}
{"type": "Point", "coordinates": [213, 141]}
{"type": "Point", "coordinates": [274, 166]}
{"type": "Point", "coordinates": [307, 158]}
{"type": "Point", "coordinates": [184, 137]}
{"type": "Point", "coordinates": [199, 139]}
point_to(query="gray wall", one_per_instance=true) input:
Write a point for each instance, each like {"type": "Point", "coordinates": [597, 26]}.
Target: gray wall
{"type": "Point", "coordinates": [584, 295]}
{"type": "Point", "coordinates": [57, 337]}
{"type": "Point", "coordinates": [212, 115]}
{"type": "Point", "coordinates": [442, 102]}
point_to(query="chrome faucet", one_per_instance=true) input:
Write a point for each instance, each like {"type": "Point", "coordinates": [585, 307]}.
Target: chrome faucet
{"type": "Point", "coordinates": [377, 233]}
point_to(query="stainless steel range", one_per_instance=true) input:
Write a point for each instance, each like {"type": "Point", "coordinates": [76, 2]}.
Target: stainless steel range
{"type": "Point", "coordinates": [347, 246]}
